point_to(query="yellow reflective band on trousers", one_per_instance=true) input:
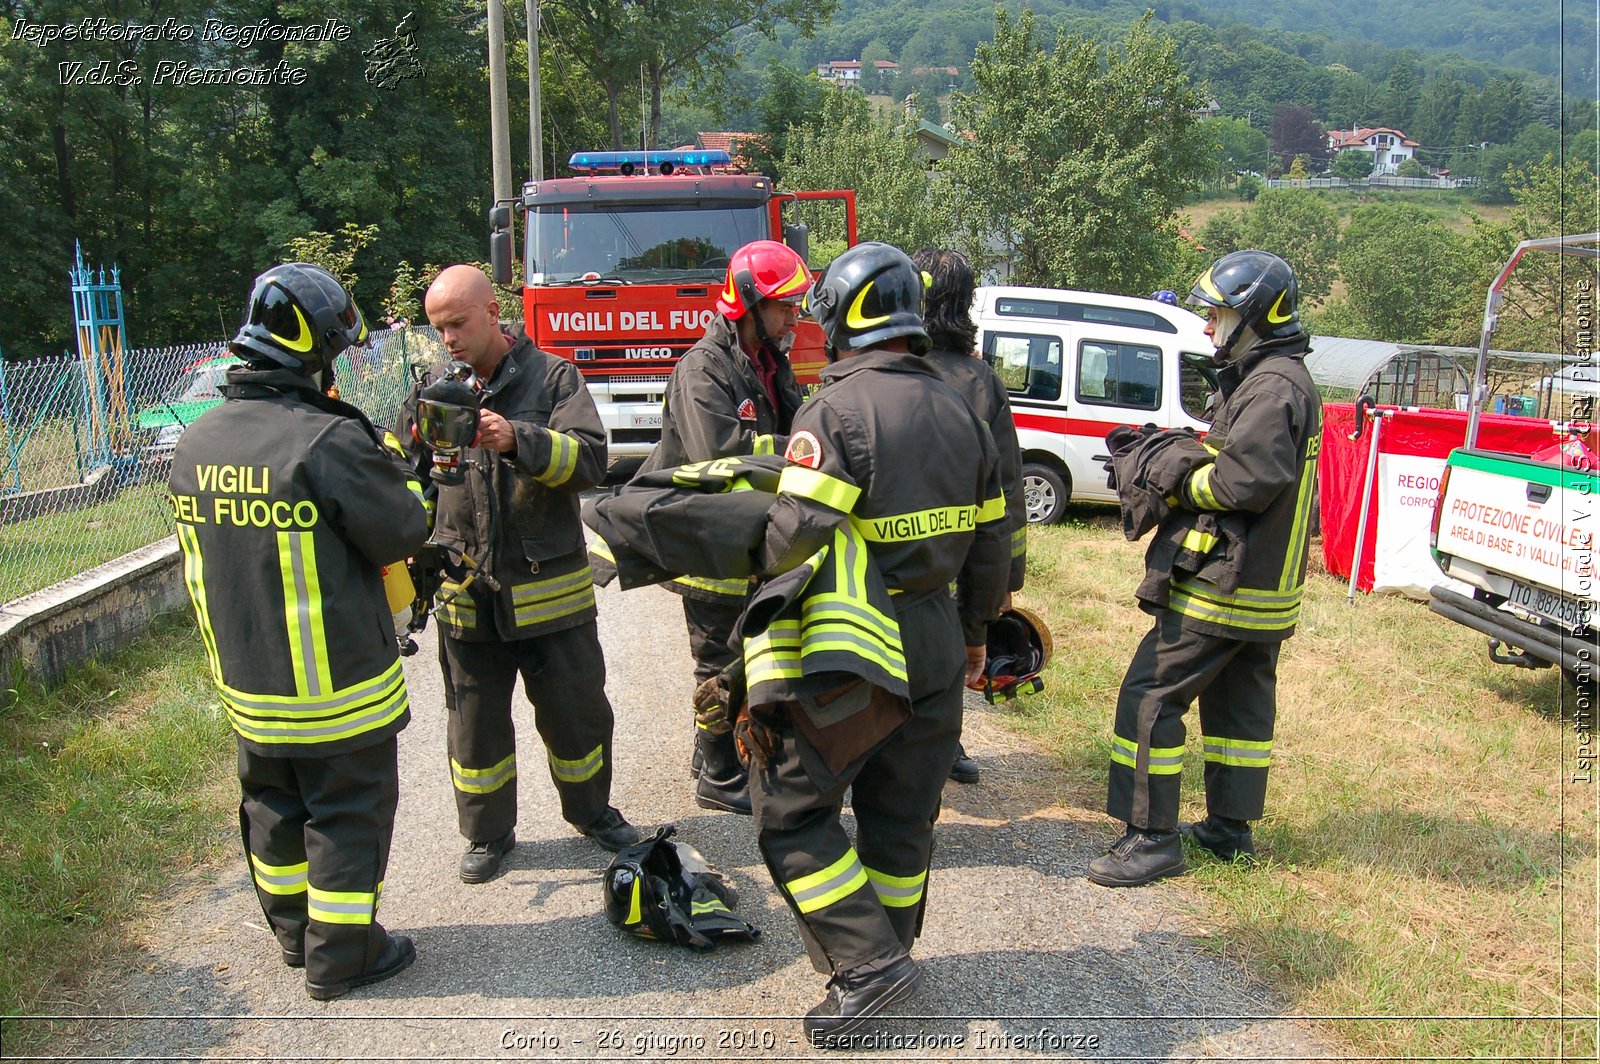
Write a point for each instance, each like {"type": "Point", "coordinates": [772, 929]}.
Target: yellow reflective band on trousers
{"type": "Point", "coordinates": [1299, 536]}
{"type": "Point", "coordinates": [1164, 760]}
{"type": "Point", "coordinates": [341, 714]}
{"type": "Point", "coordinates": [1019, 541]}
{"type": "Point", "coordinates": [764, 444]}
{"type": "Point", "coordinates": [581, 769]}
{"type": "Point", "coordinates": [342, 906]}
{"type": "Point", "coordinates": [483, 780]}
{"type": "Point", "coordinates": [563, 459]}
{"type": "Point", "coordinates": [1250, 609]}
{"type": "Point", "coordinates": [601, 549]}
{"type": "Point", "coordinates": [736, 588]}
{"type": "Point", "coordinates": [302, 613]}
{"type": "Point", "coordinates": [194, 577]}
{"type": "Point", "coordinates": [279, 879]}
{"type": "Point", "coordinates": [1199, 488]}
{"type": "Point", "coordinates": [1239, 753]}
{"type": "Point", "coordinates": [820, 889]}
{"type": "Point", "coordinates": [819, 487]}
{"type": "Point", "coordinates": [545, 600]}
{"type": "Point", "coordinates": [897, 892]}
{"type": "Point", "coordinates": [1198, 541]}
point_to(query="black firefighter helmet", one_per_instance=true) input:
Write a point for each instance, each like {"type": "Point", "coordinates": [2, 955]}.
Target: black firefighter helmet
{"type": "Point", "coordinates": [871, 293]}
{"type": "Point", "coordinates": [664, 890]}
{"type": "Point", "coordinates": [301, 318]}
{"type": "Point", "coordinates": [1259, 287]}
{"type": "Point", "coordinates": [1018, 649]}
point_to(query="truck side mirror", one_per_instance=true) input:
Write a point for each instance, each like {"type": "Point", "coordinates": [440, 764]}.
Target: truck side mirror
{"type": "Point", "coordinates": [798, 236]}
{"type": "Point", "coordinates": [500, 244]}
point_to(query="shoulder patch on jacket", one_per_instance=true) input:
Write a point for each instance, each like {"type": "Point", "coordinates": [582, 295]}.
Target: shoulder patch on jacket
{"type": "Point", "coordinates": [747, 410]}
{"type": "Point", "coordinates": [804, 450]}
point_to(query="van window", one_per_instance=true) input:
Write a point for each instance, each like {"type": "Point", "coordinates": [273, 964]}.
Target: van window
{"type": "Point", "coordinates": [1030, 366]}
{"type": "Point", "coordinates": [1111, 374]}
{"type": "Point", "coordinates": [1197, 385]}
{"type": "Point", "coordinates": [1010, 307]}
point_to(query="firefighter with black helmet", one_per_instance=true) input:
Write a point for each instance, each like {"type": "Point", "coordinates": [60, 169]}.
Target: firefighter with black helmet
{"type": "Point", "coordinates": [733, 393]}
{"type": "Point", "coordinates": [288, 503]}
{"type": "Point", "coordinates": [531, 612]}
{"type": "Point", "coordinates": [887, 453]}
{"type": "Point", "coordinates": [947, 312]}
{"type": "Point", "coordinates": [1218, 646]}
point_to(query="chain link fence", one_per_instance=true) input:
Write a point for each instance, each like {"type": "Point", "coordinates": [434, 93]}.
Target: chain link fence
{"type": "Point", "coordinates": [86, 451]}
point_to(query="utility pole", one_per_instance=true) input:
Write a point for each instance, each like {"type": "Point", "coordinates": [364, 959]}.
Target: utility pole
{"type": "Point", "coordinates": [499, 125]}
{"type": "Point", "coordinates": [535, 109]}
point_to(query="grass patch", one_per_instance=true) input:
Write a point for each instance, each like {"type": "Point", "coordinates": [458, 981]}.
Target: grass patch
{"type": "Point", "coordinates": [48, 549]}
{"type": "Point", "coordinates": [1429, 857]}
{"type": "Point", "coordinates": [110, 785]}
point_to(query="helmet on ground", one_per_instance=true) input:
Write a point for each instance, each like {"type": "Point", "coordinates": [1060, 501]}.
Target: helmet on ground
{"type": "Point", "coordinates": [1259, 287]}
{"type": "Point", "coordinates": [1167, 296]}
{"type": "Point", "coordinates": [762, 269]}
{"type": "Point", "coordinates": [871, 293]}
{"type": "Point", "coordinates": [664, 890]}
{"type": "Point", "coordinates": [1018, 649]}
{"type": "Point", "coordinates": [300, 317]}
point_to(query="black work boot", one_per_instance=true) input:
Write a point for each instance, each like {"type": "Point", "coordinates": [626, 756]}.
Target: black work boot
{"type": "Point", "coordinates": [965, 769]}
{"type": "Point", "coordinates": [611, 830]}
{"type": "Point", "coordinates": [1139, 857]}
{"type": "Point", "coordinates": [396, 958]}
{"type": "Point", "coordinates": [1224, 836]}
{"type": "Point", "coordinates": [855, 996]}
{"type": "Point", "coordinates": [482, 860]}
{"type": "Point", "coordinates": [724, 783]}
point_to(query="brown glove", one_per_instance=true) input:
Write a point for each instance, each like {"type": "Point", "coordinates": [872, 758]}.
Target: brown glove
{"type": "Point", "coordinates": [711, 707]}
{"type": "Point", "coordinates": [756, 741]}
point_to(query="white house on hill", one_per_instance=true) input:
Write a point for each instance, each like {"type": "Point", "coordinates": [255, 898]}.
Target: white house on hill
{"type": "Point", "coordinates": [1388, 147]}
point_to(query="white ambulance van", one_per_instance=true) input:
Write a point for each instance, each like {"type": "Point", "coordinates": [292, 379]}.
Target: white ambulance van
{"type": "Point", "coordinates": [1077, 364]}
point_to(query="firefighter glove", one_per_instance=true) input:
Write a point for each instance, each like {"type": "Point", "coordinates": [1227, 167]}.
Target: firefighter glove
{"type": "Point", "coordinates": [757, 740]}
{"type": "Point", "coordinates": [711, 707]}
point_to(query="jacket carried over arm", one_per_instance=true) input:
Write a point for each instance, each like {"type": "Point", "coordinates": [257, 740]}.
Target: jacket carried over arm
{"type": "Point", "coordinates": [287, 507]}
{"type": "Point", "coordinates": [517, 512]}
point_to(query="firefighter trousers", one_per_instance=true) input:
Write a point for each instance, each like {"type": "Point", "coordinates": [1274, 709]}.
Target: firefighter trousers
{"type": "Point", "coordinates": [860, 906]}
{"type": "Point", "coordinates": [711, 624]}
{"type": "Point", "coordinates": [1235, 682]}
{"type": "Point", "coordinates": [564, 677]}
{"type": "Point", "coordinates": [316, 836]}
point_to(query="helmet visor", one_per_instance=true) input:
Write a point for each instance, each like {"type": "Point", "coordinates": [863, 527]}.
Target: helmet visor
{"type": "Point", "coordinates": [446, 426]}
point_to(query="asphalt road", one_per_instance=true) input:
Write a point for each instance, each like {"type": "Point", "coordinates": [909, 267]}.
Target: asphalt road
{"type": "Point", "coordinates": [1023, 956]}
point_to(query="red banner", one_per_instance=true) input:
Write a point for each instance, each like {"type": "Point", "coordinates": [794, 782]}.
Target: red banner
{"type": "Point", "coordinates": [1427, 433]}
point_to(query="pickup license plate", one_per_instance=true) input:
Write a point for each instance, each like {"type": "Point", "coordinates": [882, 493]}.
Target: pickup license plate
{"type": "Point", "coordinates": [1572, 614]}
{"type": "Point", "coordinates": [646, 421]}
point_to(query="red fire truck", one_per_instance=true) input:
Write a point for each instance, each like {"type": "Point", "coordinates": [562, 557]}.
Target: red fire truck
{"type": "Point", "coordinates": [623, 263]}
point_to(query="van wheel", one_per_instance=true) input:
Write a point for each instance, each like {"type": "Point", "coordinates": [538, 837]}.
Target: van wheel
{"type": "Point", "coordinates": [1044, 494]}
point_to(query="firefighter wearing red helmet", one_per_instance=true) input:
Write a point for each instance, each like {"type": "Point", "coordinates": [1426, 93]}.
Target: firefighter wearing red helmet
{"type": "Point", "coordinates": [733, 393]}
{"type": "Point", "coordinates": [1217, 642]}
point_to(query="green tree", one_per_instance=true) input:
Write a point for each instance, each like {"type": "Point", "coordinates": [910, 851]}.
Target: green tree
{"type": "Point", "coordinates": [1352, 165]}
{"type": "Point", "coordinates": [852, 146]}
{"type": "Point", "coordinates": [1074, 159]}
{"type": "Point", "coordinates": [1435, 119]}
{"type": "Point", "coordinates": [1404, 272]}
{"type": "Point", "coordinates": [1498, 164]}
{"type": "Point", "coordinates": [1294, 223]}
{"type": "Point", "coordinates": [790, 100]}
{"type": "Point", "coordinates": [1412, 168]}
{"type": "Point", "coordinates": [1239, 145]}
{"type": "Point", "coordinates": [1402, 92]}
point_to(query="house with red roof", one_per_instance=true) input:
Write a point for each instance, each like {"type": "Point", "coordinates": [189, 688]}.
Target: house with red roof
{"type": "Point", "coordinates": [1388, 147]}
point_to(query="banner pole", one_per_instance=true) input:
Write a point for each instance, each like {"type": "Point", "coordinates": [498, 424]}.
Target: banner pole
{"type": "Point", "coordinates": [1377, 417]}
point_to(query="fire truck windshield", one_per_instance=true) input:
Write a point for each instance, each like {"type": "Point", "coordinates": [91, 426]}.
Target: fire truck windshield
{"type": "Point", "coordinates": [637, 243]}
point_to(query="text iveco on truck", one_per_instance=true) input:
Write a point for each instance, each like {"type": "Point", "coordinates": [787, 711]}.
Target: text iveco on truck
{"type": "Point", "coordinates": [623, 264]}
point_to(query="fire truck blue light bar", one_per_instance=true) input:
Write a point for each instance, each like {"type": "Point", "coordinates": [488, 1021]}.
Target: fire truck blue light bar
{"type": "Point", "coordinates": [651, 160]}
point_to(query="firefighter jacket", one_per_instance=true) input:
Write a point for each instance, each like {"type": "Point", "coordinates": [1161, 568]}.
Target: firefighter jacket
{"type": "Point", "coordinates": [717, 407]}
{"type": "Point", "coordinates": [287, 506]}
{"type": "Point", "coordinates": [887, 446]}
{"type": "Point", "coordinates": [1149, 474]}
{"type": "Point", "coordinates": [976, 382]}
{"type": "Point", "coordinates": [517, 512]}
{"type": "Point", "coordinates": [1266, 438]}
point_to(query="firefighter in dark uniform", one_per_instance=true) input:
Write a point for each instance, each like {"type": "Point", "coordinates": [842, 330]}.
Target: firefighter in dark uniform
{"type": "Point", "coordinates": [516, 513]}
{"type": "Point", "coordinates": [733, 393]}
{"type": "Point", "coordinates": [947, 313]}
{"type": "Point", "coordinates": [890, 448]}
{"type": "Point", "coordinates": [1222, 647]}
{"type": "Point", "coordinates": [287, 507]}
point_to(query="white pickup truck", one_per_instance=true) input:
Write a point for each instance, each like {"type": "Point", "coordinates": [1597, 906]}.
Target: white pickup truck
{"type": "Point", "coordinates": [1522, 531]}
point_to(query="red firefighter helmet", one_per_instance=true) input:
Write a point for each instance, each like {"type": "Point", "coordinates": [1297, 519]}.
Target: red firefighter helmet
{"type": "Point", "coordinates": [1019, 648]}
{"type": "Point", "coordinates": [762, 269]}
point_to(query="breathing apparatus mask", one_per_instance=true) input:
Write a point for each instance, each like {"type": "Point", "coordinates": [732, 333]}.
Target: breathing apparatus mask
{"type": "Point", "coordinates": [447, 418]}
